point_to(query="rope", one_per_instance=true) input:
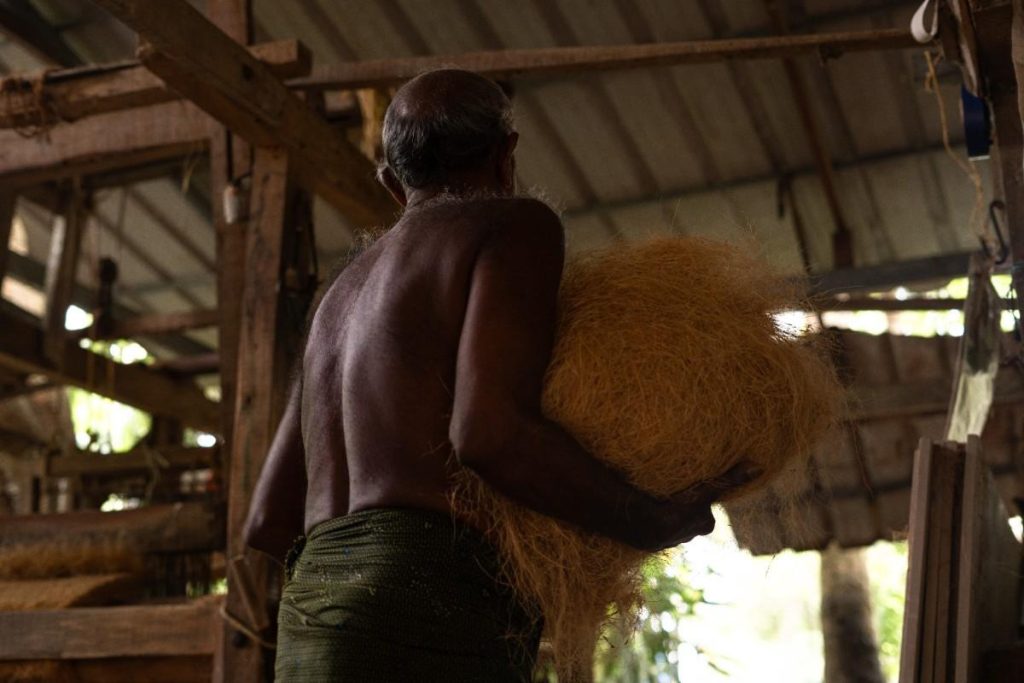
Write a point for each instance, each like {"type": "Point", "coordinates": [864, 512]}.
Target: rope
{"type": "Point", "coordinates": [238, 624]}
{"type": "Point", "coordinates": [43, 114]}
{"type": "Point", "coordinates": [976, 222]}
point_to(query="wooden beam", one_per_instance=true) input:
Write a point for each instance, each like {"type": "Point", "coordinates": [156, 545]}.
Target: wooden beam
{"type": "Point", "coordinates": [137, 460]}
{"type": "Point", "coordinates": [72, 94]}
{"type": "Point", "coordinates": [889, 275]}
{"type": "Point", "coordinates": [864, 303]}
{"type": "Point", "coordinates": [100, 143]}
{"type": "Point", "coordinates": [156, 324]}
{"type": "Point", "coordinates": [566, 60]}
{"type": "Point", "coordinates": [926, 397]}
{"type": "Point", "coordinates": [201, 364]}
{"type": "Point", "coordinates": [61, 271]}
{"type": "Point", "coordinates": [105, 632]}
{"type": "Point", "coordinates": [174, 527]}
{"type": "Point", "coordinates": [233, 87]}
{"type": "Point", "coordinates": [158, 393]}
{"type": "Point", "coordinates": [8, 204]}
{"type": "Point", "coordinates": [261, 382]}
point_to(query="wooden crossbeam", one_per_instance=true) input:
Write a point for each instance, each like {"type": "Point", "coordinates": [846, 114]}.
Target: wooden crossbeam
{"type": "Point", "coordinates": [71, 94]}
{"type": "Point", "coordinates": [104, 142]}
{"type": "Point", "coordinates": [926, 397]}
{"type": "Point", "coordinates": [159, 393]}
{"type": "Point", "coordinates": [889, 275]}
{"type": "Point", "coordinates": [174, 527]}
{"type": "Point", "coordinates": [105, 632]}
{"type": "Point", "coordinates": [156, 324]}
{"type": "Point", "coordinates": [137, 460]}
{"type": "Point", "coordinates": [238, 90]}
{"type": "Point", "coordinates": [863, 303]}
{"type": "Point", "coordinates": [566, 60]}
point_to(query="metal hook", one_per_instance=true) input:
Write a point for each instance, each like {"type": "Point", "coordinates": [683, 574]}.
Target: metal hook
{"type": "Point", "coordinates": [1004, 249]}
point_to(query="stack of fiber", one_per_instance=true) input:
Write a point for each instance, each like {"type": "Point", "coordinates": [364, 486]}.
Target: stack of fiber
{"type": "Point", "coordinates": [670, 366]}
{"type": "Point", "coordinates": [55, 575]}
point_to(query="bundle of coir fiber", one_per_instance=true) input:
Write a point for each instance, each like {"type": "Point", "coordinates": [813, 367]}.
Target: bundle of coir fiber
{"type": "Point", "coordinates": [670, 366]}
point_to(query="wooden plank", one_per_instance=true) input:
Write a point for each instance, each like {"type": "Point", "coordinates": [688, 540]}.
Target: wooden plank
{"type": "Point", "coordinates": [99, 143]}
{"type": "Point", "coordinates": [102, 632]}
{"type": "Point", "coordinates": [862, 303]}
{"type": "Point", "coordinates": [8, 204]}
{"type": "Point", "coordinates": [913, 614]}
{"type": "Point", "coordinates": [501, 64]}
{"type": "Point", "coordinates": [72, 94]}
{"type": "Point", "coordinates": [61, 272]}
{"type": "Point", "coordinates": [159, 393]}
{"type": "Point", "coordinates": [174, 527]}
{"type": "Point", "coordinates": [155, 324]}
{"type": "Point", "coordinates": [138, 460]}
{"type": "Point", "coordinates": [236, 89]}
{"type": "Point", "coordinates": [989, 587]}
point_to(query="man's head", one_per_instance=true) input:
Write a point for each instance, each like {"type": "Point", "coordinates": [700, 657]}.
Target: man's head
{"type": "Point", "coordinates": [448, 130]}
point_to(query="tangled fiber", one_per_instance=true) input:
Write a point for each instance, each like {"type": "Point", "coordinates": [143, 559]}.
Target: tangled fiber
{"type": "Point", "coordinates": [53, 559]}
{"type": "Point", "coordinates": [669, 365]}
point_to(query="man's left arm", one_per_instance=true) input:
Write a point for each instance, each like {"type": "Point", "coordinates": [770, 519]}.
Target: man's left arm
{"type": "Point", "coordinates": [277, 509]}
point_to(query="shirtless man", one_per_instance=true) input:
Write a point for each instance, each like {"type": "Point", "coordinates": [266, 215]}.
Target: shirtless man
{"type": "Point", "coordinates": [427, 354]}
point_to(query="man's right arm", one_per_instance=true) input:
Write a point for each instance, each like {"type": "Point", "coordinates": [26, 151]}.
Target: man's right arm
{"type": "Point", "coordinates": [497, 427]}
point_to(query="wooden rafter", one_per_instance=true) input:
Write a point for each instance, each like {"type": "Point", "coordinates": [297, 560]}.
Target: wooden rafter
{"type": "Point", "coordinates": [238, 90]}
{"type": "Point", "coordinates": [21, 347]}
{"type": "Point", "coordinates": [8, 203]}
{"type": "Point", "coordinates": [889, 275]}
{"type": "Point", "coordinates": [571, 60]}
{"type": "Point", "coordinates": [842, 239]}
{"type": "Point", "coordinates": [72, 94]}
{"type": "Point", "coordinates": [103, 142]}
{"type": "Point", "coordinates": [138, 460]}
{"type": "Point", "coordinates": [157, 324]}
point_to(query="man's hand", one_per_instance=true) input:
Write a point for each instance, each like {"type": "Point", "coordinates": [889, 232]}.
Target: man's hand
{"type": "Point", "coordinates": [687, 514]}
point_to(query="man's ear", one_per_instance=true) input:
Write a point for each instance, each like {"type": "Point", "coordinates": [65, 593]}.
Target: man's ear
{"type": "Point", "coordinates": [391, 183]}
{"type": "Point", "coordinates": [507, 162]}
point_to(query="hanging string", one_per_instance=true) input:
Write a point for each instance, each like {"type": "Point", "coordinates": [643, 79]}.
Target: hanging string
{"type": "Point", "coordinates": [978, 221]}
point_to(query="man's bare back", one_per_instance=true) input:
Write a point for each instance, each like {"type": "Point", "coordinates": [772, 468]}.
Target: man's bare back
{"type": "Point", "coordinates": [380, 363]}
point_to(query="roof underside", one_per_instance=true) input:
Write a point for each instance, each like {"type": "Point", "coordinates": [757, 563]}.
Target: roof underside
{"type": "Point", "coordinates": [692, 150]}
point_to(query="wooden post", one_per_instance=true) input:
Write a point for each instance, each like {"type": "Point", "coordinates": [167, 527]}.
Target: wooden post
{"type": "Point", "coordinates": [267, 339]}
{"type": "Point", "coordinates": [8, 201]}
{"type": "Point", "coordinates": [61, 268]}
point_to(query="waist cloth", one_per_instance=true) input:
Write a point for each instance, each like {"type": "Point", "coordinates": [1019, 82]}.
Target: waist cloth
{"type": "Point", "coordinates": [400, 595]}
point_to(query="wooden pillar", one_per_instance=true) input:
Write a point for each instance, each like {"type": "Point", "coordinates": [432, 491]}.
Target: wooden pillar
{"type": "Point", "coordinates": [8, 201]}
{"type": "Point", "coordinates": [269, 337]}
{"type": "Point", "coordinates": [61, 268]}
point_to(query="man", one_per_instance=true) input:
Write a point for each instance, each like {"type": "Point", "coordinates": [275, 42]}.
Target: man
{"type": "Point", "coordinates": [427, 354]}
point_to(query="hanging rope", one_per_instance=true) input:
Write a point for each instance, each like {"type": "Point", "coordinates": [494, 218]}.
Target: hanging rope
{"type": "Point", "coordinates": [977, 222]}
{"type": "Point", "coordinates": [28, 94]}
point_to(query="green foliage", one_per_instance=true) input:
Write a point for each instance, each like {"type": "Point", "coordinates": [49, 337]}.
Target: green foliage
{"type": "Point", "coordinates": [101, 424]}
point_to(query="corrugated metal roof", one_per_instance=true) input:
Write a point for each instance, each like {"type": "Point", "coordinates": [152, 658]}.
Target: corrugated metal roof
{"type": "Point", "coordinates": [857, 488]}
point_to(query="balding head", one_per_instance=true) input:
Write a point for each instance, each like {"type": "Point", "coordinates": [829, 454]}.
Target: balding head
{"type": "Point", "coordinates": [442, 125]}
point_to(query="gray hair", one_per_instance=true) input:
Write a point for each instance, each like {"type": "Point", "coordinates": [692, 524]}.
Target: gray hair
{"type": "Point", "coordinates": [453, 126]}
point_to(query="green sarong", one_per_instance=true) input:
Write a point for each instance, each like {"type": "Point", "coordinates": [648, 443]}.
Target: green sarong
{"type": "Point", "coordinates": [397, 595]}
